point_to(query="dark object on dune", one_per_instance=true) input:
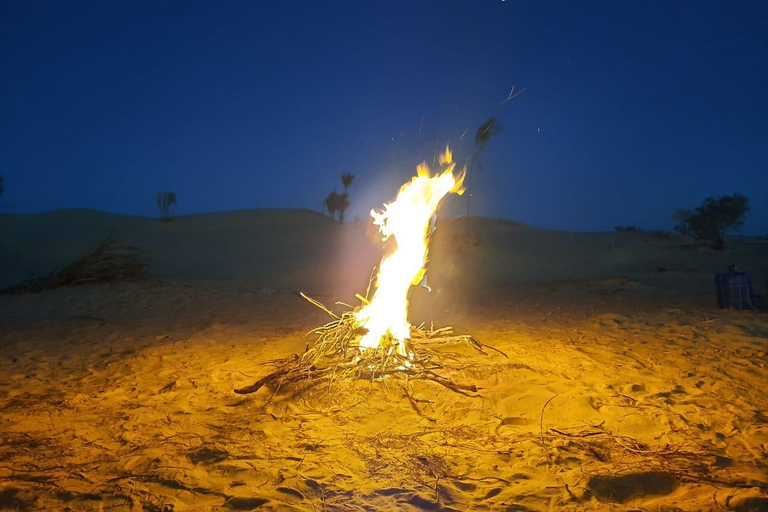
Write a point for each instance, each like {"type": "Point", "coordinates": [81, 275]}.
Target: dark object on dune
{"type": "Point", "coordinates": [164, 202]}
{"type": "Point", "coordinates": [104, 261]}
{"type": "Point", "coordinates": [734, 290]}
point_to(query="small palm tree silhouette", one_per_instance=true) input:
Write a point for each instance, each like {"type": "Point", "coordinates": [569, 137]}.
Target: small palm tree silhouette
{"type": "Point", "coordinates": [346, 180]}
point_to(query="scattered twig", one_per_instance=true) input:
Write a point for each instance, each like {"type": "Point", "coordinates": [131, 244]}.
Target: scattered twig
{"type": "Point", "coordinates": [541, 428]}
{"type": "Point", "coordinates": [512, 95]}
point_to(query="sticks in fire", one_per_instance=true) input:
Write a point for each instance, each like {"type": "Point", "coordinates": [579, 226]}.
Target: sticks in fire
{"type": "Point", "coordinates": [335, 354]}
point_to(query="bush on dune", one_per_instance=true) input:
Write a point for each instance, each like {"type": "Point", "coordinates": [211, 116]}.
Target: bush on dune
{"type": "Point", "coordinates": [338, 203]}
{"type": "Point", "coordinates": [713, 219]}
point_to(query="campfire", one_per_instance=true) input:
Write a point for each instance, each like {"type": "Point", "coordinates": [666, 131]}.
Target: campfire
{"type": "Point", "coordinates": [375, 339]}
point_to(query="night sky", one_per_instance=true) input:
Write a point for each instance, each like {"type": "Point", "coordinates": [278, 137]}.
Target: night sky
{"type": "Point", "coordinates": [630, 109]}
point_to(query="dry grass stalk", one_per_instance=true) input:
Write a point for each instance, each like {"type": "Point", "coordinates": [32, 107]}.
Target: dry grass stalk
{"type": "Point", "coordinates": [103, 261]}
{"type": "Point", "coordinates": [335, 354]}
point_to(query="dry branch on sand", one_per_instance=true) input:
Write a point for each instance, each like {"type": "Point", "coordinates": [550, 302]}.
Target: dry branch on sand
{"type": "Point", "coordinates": [336, 354]}
{"type": "Point", "coordinates": [623, 465]}
{"type": "Point", "coordinates": [103, 261]}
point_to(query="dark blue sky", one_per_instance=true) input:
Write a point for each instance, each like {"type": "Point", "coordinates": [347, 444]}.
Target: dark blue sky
{"type": "Point", "coordinates": [631, 109]}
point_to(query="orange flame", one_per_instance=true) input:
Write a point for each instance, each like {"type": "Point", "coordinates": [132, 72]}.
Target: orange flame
{"type": "Point", "coordinates": [408, 220]}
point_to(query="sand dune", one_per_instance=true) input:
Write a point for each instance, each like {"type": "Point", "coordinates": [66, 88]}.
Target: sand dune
{"type": "Point", "coordinates": [625, 388]}
{"type": "Point", "coordinates": [292, 249]}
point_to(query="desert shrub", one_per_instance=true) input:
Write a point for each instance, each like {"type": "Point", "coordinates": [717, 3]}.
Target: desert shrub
{"type": "Point", "coordinates": [336, 202]}
{"type": "Point", "coordinates": [105, 260]}
{"type": "Point", "coordinates": [713, 218]}
{"type": "Point", "coordinates": [164, 202]}
{"type": "Point", "coordinates": [330, 204]}
{"type": "Point", "coordinates": [660, 234]}
{"type": "Point", "coordinates": [681, 218]}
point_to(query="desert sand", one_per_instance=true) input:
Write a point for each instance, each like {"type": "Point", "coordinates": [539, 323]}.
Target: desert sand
{"type": "Point", "coordinates": [625, 388]}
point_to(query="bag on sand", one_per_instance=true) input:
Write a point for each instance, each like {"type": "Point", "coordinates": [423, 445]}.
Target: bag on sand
{"type": "Point", "coordinates": [734, 290]}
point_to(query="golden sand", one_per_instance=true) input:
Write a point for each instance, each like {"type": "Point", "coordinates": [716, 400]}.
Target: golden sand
{"type": "Point", "coordinates": [625, 387]}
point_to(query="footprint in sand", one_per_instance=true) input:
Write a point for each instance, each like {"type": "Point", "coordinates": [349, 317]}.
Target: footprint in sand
{"type": "Point", "coordinates": [244, 503]}
{"type": "Point", "coordinates": [750, 504]}
{"type": "Point", "coordinates": [620, 489]}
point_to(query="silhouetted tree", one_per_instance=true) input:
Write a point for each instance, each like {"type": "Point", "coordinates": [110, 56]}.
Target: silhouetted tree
{"type": "Point", "coordinates": [164, 202]}
{"type": "Point", "coordinates": [347, 179]}
{"type": "Point", "coordinates": [714, 218]}
{"type": "Point", "coordinates": [682, 217]}
{"type": "Point", "coordinates": [331, 202]}
{"type": "Point", "coordinates": [1, 185]}
{"type": "Point", "coordinates": [336, 202]}
{"type": "Point", "coordinates": [342, 205]}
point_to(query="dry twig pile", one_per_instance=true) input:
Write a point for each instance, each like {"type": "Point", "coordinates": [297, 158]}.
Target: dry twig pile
{"type": "Point", "coordinates": [335, 354]}
{"type": "Point", "coordinates": [104, 261]}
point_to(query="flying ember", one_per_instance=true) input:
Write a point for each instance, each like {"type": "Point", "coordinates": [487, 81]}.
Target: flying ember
{"type": "Point", "coordinates": [408, 220]}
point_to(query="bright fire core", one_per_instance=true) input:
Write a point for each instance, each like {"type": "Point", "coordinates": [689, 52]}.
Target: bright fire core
{"type": "Point", "coordinates": [407, 219]}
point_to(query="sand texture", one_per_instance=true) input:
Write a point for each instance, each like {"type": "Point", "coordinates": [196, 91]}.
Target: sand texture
{"type": "Point", "coordinates": [625, 388]}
